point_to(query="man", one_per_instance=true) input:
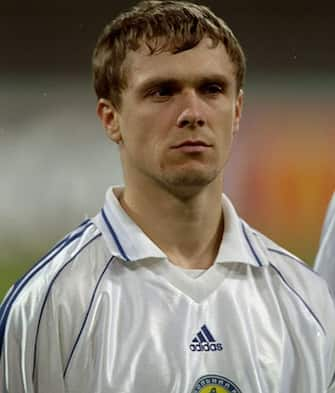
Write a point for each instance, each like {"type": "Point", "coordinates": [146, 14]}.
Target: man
{"type": "Point", "coordinates": [167, 289]}
{"type": "Point", "coordinates": [325, 260]}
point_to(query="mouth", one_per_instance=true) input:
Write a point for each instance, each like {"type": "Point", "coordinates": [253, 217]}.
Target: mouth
{"type": "Point", "coordinates": [192, 146]}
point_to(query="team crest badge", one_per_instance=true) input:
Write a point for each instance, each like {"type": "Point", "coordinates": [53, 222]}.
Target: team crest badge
{"type": "Point", "coordinates": [215, 384]}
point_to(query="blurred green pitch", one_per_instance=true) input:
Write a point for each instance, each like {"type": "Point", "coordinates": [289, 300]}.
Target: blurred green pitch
{"type": "Point", "coordinates": [10, 273]}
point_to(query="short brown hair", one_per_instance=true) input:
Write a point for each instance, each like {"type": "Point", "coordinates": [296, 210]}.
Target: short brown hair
{"type": "Point", "coordinates": [162, 26]}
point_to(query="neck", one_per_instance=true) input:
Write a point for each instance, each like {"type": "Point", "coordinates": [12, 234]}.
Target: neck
{"type": "Point", "coordinates": [188, 230]}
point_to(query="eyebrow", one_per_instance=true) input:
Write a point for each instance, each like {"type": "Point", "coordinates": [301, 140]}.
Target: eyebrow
{"type": "Point", "coordinates": [215, 78]}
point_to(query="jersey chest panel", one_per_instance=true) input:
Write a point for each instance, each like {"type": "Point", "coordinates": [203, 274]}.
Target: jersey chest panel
{"type": "Point", "coordinates": [143, 334]}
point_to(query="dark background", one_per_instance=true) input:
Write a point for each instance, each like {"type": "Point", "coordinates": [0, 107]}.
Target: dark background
{"type": "Point", "coordinates": [44, 36]}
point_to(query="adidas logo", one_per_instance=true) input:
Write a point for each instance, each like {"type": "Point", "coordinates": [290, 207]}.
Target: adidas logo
{"type": "Point", "coordinates": [205, 342]}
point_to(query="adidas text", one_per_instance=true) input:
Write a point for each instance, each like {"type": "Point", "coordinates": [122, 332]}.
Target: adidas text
{"type": "Point", "coordinates": [206, 347]}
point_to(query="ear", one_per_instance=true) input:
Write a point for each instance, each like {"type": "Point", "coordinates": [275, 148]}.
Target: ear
{"type": "Point", "coordinates": [238, 111]}
{"type": "Point", "coordinates": [109, 117]}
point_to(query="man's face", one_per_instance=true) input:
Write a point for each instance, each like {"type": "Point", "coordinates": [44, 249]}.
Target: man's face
{"type": "Point", "coordinates": [178, 116]}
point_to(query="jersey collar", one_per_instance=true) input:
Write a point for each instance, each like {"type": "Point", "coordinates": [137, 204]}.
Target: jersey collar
{"type": "Point", "coordinates": [126, 240]}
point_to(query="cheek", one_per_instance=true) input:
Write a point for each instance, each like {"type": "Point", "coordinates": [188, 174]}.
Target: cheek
{"type": "Point", "coordinates": [224, 125]}
{"type": "Point", "coordinates": [140, 136]}
{"type": "Point", "coordinates": [134, 130]}
{"type": "Point", "coordinates": [154, 127]}
{"type": "Point", "coordinates": [222, 119]}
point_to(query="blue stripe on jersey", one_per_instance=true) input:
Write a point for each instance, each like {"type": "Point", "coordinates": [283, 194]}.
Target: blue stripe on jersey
{"type": "Point", "coordinates": [117, 241]}
{"type": "Point", "coordinates": [293, 258]}
{"type": "Point", "coordinates": [250, 245]}
{"type": "Point", "coordinates": [49, 289]}
{"type": "Point", "coordinates": [86, 316]}
{"type": "Point", "coordinates": [82, 227]}
{"type": "Point", "coordinates": [20, 284]}
{"type": "Point", "coordinates": [31, 272]}
{"type": "Point", "coordinates": [299, 297]}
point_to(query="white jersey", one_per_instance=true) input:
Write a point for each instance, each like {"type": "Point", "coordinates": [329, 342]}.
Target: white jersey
{"type": "Point", "coordinates": [325, 260]}
{"type": "Point", "coordinates": [106, 312]}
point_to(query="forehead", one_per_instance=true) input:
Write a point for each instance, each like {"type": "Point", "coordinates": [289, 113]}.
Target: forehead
{"type": "Point", "coordinates": [199, 62]}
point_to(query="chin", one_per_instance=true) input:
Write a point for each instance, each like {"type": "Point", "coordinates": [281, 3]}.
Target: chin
{"type": "Point", "coordinates": [189, 182]}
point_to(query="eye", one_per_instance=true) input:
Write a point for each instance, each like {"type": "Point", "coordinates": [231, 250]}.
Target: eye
{"type": "Point", "coordinates": [212, 88]}
{"type": "Point", "coordinates": [164, 91]}
{"type": "Point", "coordinates": [161, 92]}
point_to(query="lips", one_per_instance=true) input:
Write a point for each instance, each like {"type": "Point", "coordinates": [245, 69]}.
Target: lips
{"type": "Point", "coordinates": [191, 143]}
{"type": "Point", "coordinates": [192, 147]}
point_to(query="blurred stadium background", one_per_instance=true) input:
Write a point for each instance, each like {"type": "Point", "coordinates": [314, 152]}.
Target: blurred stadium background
{"type": "Point", "coordinates": [56, 163]}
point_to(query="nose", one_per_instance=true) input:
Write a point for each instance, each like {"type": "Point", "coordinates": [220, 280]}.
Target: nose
{"type": "Point", "coordinates": [191, 115]}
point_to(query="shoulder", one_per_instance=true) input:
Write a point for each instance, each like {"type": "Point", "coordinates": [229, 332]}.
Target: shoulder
{"type": "Point", "coordinates": [294, 281]}
{"type": "Point", "coordinates": [72, 266]}
{"type": "Point", "coordinates": [67, 258]}
{"type": "Point", "coordinates": [287, 265]}
{"type": "Point", "coordinates": [273, 255]}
